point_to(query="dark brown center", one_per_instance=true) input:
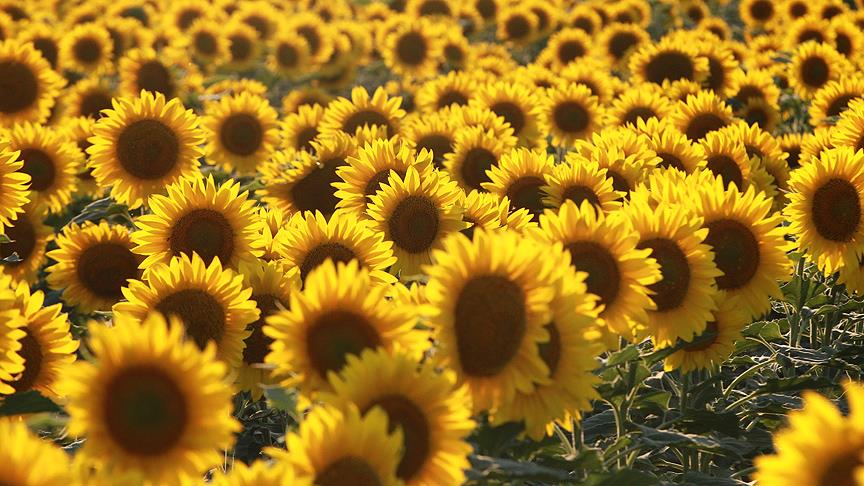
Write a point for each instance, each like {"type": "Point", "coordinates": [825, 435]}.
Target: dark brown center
{"type": "Point", "coordinates": [31, 351]}
{"type": "Point", "coordinates": [241, 48]}
{"type": "Point", "coordinates": [416, 437]}
{"type": "Point", "coordinates": [836, 210]}
{"type": "Point", "coordinates": [814, 72]}
{"type": "Point", "coordinates": [286, 55]}
{"type": "Point", "coordinates": [337, 252]}
{"type": "Point", "coordinates": [736, 252]}
{"type": "Point", "coordinates": [550, 351]}
{"type": "Point", "coordinates": [315, 191]}
{"type": "Point", "coordinates": [40, 167]}
{"type": "Point", "coordinates": [762, 10]}
{"type": "Point", "coordinates": [148, 149]}
{"type": "Point", "coordinates": [621, 43]}
{"type": "Point", "coordinates": [241, 134]}
{"type": "Point", "coordinates": [414, 224]}
{"type": "Point", "coordinates": [23, 241]}
{"type": "Point", "coordinates": [474, 166]}
{"type": "Point", "coordinates": [202, 315]}
{"type": "Point", "coordinates": [87, 50]}
{"type": "Point", "coordinates": [725, 167]}
{"type": "Point", "coordinates": [525, 193]}
{"type": "Point", "coordinates": [155, 77]}
{"type": "Point", "coordinates": [570, 51]}
{"type": "Point", "coordinates": [93, 103]}
{"type": "Point", "coordinates": [452, 97]}
{"type": "Point", "coordinates": [48, 48]}
{"type": "Point", "coordinates": [517, 27]}
{"type": "Point", "coordinates": [19, 88]}
{"type": "Point", "coordinates": [205, 232]}
{"type": "Point", "coordinates": [411, 48]}
{"type": "Point", "coordinates": [440, 145]}
{"type": "Point", "coordinates": [348, 470]}
{"type": "Point", "coordinates": [604, 277]}
{"type": "Point", "coordinates": [670, 160]}
{"type": "Point", "coordinates": [577, 194]}
{"type": "Point", "coordinates": [105, 268]}
{"type": "Point", "coordinates": [703, 124]}
{"type": "Point", "coordinates": [366, 118]}
{"type": "Point", "coordinates": [258, 343]}
{"type": "Point", "coordinates": [335, 335]}
{"type": "Point", "coordinates": [571, 117]}
{"type": "Point", "coordinates": [670, 292]}
{"type": "Point", "coordinates": [669, 66]}
{"type": "Point", "coordinates": [512, 114]}
{"type": "Point", "coordinates": [205, 43]}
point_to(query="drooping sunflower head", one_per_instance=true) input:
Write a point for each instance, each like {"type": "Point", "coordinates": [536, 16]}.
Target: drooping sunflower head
{"type": "Point", "coordinates": [144, 144]}
{"type": "Point", "coordinates": [571, 112]}
{"type": "Point", "coordinates": [520, 176]}
{"type": "Point", "coordinates": [340, 312]}
{"type": "Point", "coordinates": [623, 152]}
{"type": "Point", "coordinates": [94, 262]}
{"type": "Point", "coordinates": [361, 110]}
{"type": "Point", "coordinates": [241, 131]}
{"type": "Point", "coordinates": [213, 303]}
{"type": "Point", "coordinates": [30, 87]}
{"type": "Point", "coordinates": [142, 407]}
{"type": "Point", "coordinates": [416, 213]}
{"type": "Point", "coordinates": [310, 240]}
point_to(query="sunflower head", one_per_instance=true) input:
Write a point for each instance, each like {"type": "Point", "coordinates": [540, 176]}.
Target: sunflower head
{"type": "Point", "coordinates": [241, 131]}
{"type": "Point", "coordinates": [30, 85]}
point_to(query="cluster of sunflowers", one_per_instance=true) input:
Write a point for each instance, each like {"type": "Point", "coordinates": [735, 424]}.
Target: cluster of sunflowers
{"type": "Point", "coordinates": [456, 211]}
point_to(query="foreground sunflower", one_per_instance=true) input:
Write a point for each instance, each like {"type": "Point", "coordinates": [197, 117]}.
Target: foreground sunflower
{"type": "Point", "coordinates": [824, 211]}
{"type": "Point", "coordinates": [334, 447]}
{"type": "Point", "coordinates": [14, 184]}
{"type": "Point", "coordinates": [153, 405]}
{"type": "Point", "coordinates": [94, 261]}
{"type": "Point", "coordinates": [260, 473]}
{"type": "Point", "coordinates": [684, 297]}
{"type": "Point", "coordinates": [748, 244]}
{"type": "Point", "coordinates": [199, 217]}
{"type": "Point", "coordinates": [310, 239]}
{"type": "Point", "coordinates": [11, 332]}
{"type": "Point", "coordinates": [341, 311]}
{"type": "Point", "coordinates": [820, 446]}
{"type": "Point", "coordinates": [50, 160]}
{"type": "Point", "coordinates": [20, 449]}
{"type": "Point", "coordinates": [569, 356]}
{"type": "Point", "coordinates": [416, 213]}
{"type": "Point", "coordinates": [144, 144]}
{"type": "Point", "coordinates": [433, 414]}
{"type": "Point", "coordinates": [241, 131]}
{"type": "Point", "coordinates": [213, 304]}
{"type": "Point", "coordinates": [489, 302]}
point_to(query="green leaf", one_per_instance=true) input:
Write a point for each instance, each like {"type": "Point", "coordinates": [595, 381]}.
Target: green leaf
{"type": "Point", "coordinates": [767, 330]}
{"type": "Point", "coordinates": [5, 239]}
{"type": "Point", "coordinates": [28, 402]}
{"type": "Point", "coordinates": [281, 399]}
{"type": "Point", "coordinates": [704, 421]}
{"type": "Point", "coordinates": [485, 467]}
{"type": "Point", "coordinates": [630, 353]}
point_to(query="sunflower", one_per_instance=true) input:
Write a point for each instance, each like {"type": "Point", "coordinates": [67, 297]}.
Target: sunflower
{"type": "Point", "coordinates": [747, 241]}
{"type": "Point", "coordinates": [755, 83]}
{"type": "Point", "coordinates": [595, 76]}
{"type": "Point", "coordinates": [825, 208]}
{"type": "Point", "coordinates": [241, 131]}
{"type": "Point", "coordinates": [518, 105]}
{"type": "Point", "coordinates": [813, 66]}
{"type": "Point", "coordinates": [790, 144]}
{"type": "Point", "coordinates": [28, 239]}
{"type": "Point", "coordinates": [260, 473]}
{"type": "Point", "coordinates": [701, 114]}
{"type": "Point", "coordinates": [617, 42]}
{"type": "Point", "coordinates": [483, 210]}
{"type": "Point", "coordinates": [141, 407]}
{"type": "Point", "coordinates": [49, 159]}
{"type": "Point", "coordinates": [568, 356]}
{"type": "Point", "coordinates": [727, 158]}
{"type": "Point", "coordinates": [642, 102]}
{"type": "Point", "coordinates": [233, 87]}
{"type": "Point", "coordinates": [203, 218]}
{"type": "Point", "coordinates": [757, 13]}
{"type": "Point", "coordinates": [456, 47]}
{"type": "Point", "coordinates": [456, 87]}
{"type": "Point", "coordinates": [416, 213]}
{"type": "Point", "coordinates": [517, 25]}
{"type": "Point", "coordinates": [261, 16]}
{"type": "Point", "coordinates": [300, 128]}
{"type": "Point", "coordinates": [848, 39]}
{"type": "Point", "coordinates": [535, 75]}
{"type": "Point", "coordinates": [796, 9]}
{"type": "Point", "coordinates": [145, 69]}
{"type": "Point", "coordinates": [213, 303]}
{"type": "Point", "coordinates": [289, 54]}
{"type": "Point", "coordinates": [569, 113]}
{"type": "Point", "coordinates": [87, 49]}
{"type": "Point", "coordinates": [361, 110]}
{"type": "Point", "coordinates": [808, 29]}
{"type": "Point", "coordinates": [764, 152]}
{"type": "Point", "coordinates": [334, 447]}
{"type": "Point", "coordinates": [583, 17]}
{"type": "Point", "coordinates": [207, 42]}
{"type": "Point", "coordinates": [94, 261]}
{"type": "Point", "coordinates": [666, 62]}
{"type": "Point", "coordinates": [716, 26]}
{"type": "Point", "coordinates": [820, 445]}
{"type": "Point", "coordinates": [29, 85]}
{"type": "Point", "coordinates": [143, 145]}
{"type": "Point", "coordinates": [834, 98]}
{"type": "Point", "coordinates": [623, 153]}
{"type": "Point", "coordinates": [88, 98]}
{"type": "Point", "coordinates": [715, 344]}
{"type": "Point", "coordinates": [685, 296]}
{"type": "Point", "coordinates": [759, 112]}
{"type": "Point", "coordinates": [580, 179]}
{"type": "Point", "coordinates": [433, 133]}
{"type": "Point", "coordinates": [520, 175]}
{"type": "Point", "coordinates": [485, 118]}
{"type": "Point", "coordinates": [315, 32]}
{"type": "Point", "coordinates": [605, 248]}
{"type": "Point", "coordinates": [341, 311]}
{"type": "Point", "coordinates": [310, 239]}
{"type": "Point", "coordinates": [368, 171]}
{"type": "Point", "coordinates": [566, 46]}
{"type": "Point", "coordinates": [44, 38]}
{"type": "Point", "coordinates": [21, 450]}
{"type": "Point", "coordinates": [433, 414]}
{"type": "Point", "coordinates": [413, 48]}
{"type": "Point", "coordinates": [673, 147]}
{"type": "Point", "coordinates": [47, 345]}
{"type": "Point", "coordinates": [272, 284]}
{"type": "Point", "coordinates": [14, 184]}
{"type": "Point", "coordinates": [243, 46]}
{"type": "Point", "coordinates": [78, 130]}
{"type": "Point", "coordinates": [825, 138]}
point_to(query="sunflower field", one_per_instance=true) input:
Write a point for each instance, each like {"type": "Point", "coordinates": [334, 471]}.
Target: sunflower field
{"type": "Point", "coordinates": [431, 242]}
